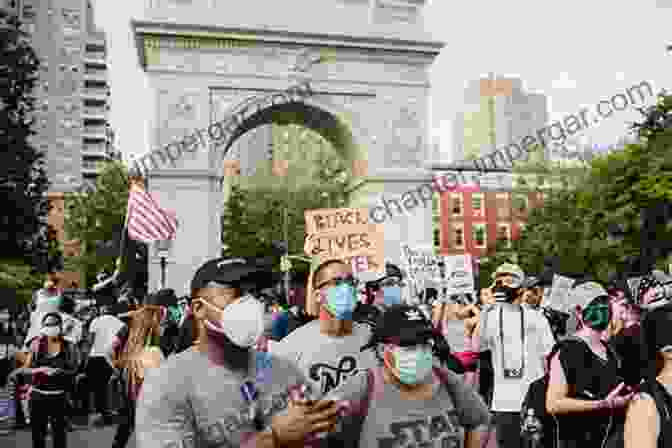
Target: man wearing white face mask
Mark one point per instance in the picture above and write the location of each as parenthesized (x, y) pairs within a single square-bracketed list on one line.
[(223, 391)]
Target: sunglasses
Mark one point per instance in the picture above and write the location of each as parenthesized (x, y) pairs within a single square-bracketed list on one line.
[(349, 280)]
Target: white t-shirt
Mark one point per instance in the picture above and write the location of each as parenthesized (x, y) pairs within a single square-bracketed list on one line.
[(105, 328), (509, 393), (326, 361)]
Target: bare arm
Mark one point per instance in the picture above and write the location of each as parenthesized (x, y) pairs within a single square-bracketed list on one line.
[(557, 395), (641, 424), (476, 438)]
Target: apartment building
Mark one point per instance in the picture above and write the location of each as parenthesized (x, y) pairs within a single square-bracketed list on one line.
[(72, 98), (72, 91), (496, 112)]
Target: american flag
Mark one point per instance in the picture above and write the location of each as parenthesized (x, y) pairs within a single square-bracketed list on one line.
[(145, 220)]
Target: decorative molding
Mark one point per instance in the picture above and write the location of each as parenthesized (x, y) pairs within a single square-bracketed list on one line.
[(237, 37)]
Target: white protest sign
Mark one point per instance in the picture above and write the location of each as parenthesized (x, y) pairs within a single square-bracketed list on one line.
[(459, 278), (559, 297)]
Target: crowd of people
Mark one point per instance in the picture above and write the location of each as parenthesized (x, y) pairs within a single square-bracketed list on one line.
[(376, 367)]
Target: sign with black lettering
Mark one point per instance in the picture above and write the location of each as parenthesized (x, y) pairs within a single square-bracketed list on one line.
[(345, 233)]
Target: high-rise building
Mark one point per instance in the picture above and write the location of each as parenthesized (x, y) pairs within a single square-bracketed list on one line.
[(497, 112), (72, 92)]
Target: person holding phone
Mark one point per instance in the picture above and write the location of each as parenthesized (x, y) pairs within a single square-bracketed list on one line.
[(52, 362), (586, 395), (226, 390)]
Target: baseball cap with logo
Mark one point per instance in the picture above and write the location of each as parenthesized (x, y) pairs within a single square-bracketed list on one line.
[(402, 325)]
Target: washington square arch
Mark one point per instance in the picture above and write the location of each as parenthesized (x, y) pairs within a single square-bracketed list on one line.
[(364, 65)]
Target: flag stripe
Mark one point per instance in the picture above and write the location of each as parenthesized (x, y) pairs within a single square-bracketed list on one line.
[(148, 203), (146, 220)]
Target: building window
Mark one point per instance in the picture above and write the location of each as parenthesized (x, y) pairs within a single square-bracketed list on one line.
[(479, 236), (521, 203), (456, 204), (477, 203), (504, 233), (503, 206), (458, 236)]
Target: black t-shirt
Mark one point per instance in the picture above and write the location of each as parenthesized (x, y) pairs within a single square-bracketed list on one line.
[(589, 378), (630, 348)]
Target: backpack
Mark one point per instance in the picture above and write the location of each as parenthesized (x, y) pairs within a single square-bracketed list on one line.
[(372, 383), (537, 426)]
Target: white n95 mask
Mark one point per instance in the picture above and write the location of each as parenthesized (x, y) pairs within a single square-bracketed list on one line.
[(242, 322)]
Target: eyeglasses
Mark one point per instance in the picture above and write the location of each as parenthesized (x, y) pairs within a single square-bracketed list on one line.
[(349, 280)]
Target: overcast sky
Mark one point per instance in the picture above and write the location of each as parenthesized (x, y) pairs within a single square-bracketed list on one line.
[(577, 52)]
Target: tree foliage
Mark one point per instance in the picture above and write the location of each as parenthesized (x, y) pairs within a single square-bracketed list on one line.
[(23, 180), (612, 190), (95, 218), (316, 177)]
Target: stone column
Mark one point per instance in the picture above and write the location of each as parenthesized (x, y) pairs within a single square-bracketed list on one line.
[(196, 196)]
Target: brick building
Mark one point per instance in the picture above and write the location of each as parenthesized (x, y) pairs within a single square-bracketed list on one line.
[(473, 222)]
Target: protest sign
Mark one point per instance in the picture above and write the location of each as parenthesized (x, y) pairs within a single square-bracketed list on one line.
[(459, 275), (422, 267), (559, 296), (347, 234)]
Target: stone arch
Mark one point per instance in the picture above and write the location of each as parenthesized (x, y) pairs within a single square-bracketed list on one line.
[(320, 115)]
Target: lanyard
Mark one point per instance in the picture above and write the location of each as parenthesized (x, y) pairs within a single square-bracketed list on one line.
[(513, 373)]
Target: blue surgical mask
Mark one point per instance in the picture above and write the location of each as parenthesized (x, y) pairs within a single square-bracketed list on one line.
[(392, 295), (414, 363), (340, 300)]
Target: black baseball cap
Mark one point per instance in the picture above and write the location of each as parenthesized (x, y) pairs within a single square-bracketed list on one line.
[(162, 297), (232, 272), (402, 325)]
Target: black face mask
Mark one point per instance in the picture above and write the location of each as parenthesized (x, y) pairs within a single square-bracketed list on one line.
[(504, 293)]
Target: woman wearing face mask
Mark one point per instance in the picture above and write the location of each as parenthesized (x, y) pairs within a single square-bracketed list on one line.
[(407, 399), (585, 394), (52, 362), (226, 390)]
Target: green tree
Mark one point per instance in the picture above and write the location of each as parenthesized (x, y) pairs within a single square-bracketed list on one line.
[(23, 180), (613, 190), (316, 177), (96, 217)]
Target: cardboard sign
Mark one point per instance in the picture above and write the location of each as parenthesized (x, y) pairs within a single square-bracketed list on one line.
[(459, 275), (346, 234), (559, 296)]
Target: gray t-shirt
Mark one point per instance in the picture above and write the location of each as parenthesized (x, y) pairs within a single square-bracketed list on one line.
[(392, 421), (190, 402), (326, 361)]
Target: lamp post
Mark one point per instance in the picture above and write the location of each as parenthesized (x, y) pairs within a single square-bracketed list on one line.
[(162, 250)]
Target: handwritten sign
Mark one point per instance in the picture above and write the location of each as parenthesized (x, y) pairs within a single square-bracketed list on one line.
[(559, 297), (345, 233)]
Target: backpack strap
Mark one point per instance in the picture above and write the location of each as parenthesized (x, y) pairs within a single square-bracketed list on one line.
[(370, 386)]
